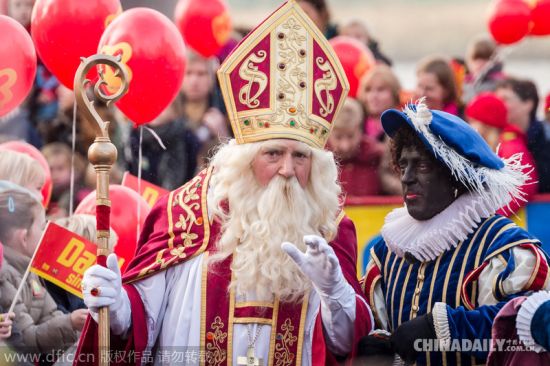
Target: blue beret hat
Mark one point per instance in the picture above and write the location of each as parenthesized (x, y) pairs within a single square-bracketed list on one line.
[(452, 131), (452, 141)]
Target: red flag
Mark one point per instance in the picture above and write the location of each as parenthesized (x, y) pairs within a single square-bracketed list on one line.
[(148, 191), (62, 257)]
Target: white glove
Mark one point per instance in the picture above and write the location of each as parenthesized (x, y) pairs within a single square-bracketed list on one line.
[(108, 283), (320, 265)]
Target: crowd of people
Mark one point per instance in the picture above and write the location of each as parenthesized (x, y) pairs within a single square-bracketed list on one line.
[(196, 121), (471, 260)]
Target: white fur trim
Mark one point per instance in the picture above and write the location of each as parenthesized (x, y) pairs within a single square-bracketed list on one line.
[(428, 239), (441, 325), (525, 317), (497, 187)]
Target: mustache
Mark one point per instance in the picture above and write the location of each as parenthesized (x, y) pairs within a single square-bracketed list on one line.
[(288, 188)]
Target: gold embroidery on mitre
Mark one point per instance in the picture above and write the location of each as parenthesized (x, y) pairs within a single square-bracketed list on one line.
[(249, 72), (283, 81), (327, 84)]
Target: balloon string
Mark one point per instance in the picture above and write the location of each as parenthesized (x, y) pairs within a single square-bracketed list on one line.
[(71, 192), (140, 161), (156, 136)]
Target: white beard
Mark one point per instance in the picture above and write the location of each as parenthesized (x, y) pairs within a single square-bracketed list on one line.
[(260, 222), (260, 219)]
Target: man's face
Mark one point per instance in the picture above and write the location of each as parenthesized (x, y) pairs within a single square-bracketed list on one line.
[(344, 142), (286, 158), (427, 183), (197, 81)]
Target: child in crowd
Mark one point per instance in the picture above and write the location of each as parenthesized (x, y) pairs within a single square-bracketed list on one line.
[(436, 81), (380, 90), (359, 155), (200, 110), (356, 28), (484, 69), (21, 169), (488, 115), (59, 156), (43, 328)]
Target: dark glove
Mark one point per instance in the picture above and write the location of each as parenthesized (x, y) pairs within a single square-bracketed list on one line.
[(376, 343), (406, 334)]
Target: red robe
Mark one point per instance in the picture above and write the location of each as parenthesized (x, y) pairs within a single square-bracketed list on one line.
[(178, 229)]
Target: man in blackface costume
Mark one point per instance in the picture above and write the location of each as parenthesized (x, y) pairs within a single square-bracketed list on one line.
[(446, 262), (252, 261)]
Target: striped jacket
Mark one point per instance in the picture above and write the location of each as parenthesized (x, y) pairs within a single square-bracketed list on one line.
[(412, 289)]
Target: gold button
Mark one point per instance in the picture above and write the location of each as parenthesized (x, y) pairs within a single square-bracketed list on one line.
[(415, 308), (421, 277), (417, 291)]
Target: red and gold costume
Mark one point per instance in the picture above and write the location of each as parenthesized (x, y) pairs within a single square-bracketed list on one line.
[(177, 230), (282, 81)]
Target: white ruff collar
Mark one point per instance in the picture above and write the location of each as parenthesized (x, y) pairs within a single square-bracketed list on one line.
[(426, 240)]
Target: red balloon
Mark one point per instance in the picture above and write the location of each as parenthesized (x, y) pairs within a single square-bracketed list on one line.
[(205, 25), (17, 64), (356, 59), (33, 152), (66, 30), (540, 18), (124, 217), (153, 52), (509, 21)]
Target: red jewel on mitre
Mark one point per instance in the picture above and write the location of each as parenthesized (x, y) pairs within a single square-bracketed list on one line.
[(283, 80)]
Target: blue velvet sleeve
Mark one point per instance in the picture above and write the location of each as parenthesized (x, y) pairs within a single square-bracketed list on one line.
[(540, 325), (473, 324)]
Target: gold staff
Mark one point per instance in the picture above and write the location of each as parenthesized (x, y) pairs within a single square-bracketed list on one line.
[(102, 154)]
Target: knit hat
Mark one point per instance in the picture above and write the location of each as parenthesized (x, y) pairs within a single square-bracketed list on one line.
[(488, 109)]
